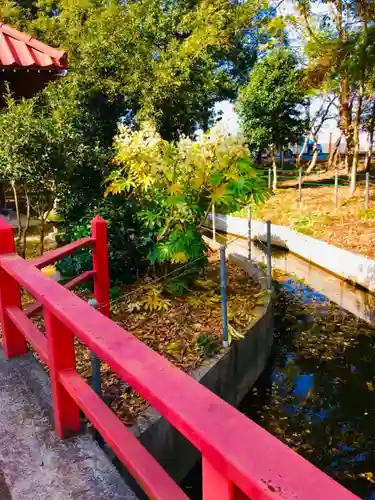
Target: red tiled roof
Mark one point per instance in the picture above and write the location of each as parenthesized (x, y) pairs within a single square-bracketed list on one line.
[(19, 50)]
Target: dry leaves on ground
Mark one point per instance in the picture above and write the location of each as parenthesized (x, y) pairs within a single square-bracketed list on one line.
[(186, 331)]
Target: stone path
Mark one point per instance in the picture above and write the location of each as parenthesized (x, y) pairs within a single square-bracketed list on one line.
[(34, 463)]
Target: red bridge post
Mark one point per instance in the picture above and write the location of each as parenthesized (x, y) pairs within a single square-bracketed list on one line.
[(13, 341), (61, 356), (216, 486), (100, 264)]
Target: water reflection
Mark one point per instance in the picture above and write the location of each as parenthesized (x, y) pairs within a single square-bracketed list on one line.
[(353, 299), (318, 395)]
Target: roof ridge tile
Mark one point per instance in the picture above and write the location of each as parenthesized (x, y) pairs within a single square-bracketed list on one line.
[(58, 57)]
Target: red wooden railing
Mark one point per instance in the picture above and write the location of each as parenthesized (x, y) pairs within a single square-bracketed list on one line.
[(240, 459)]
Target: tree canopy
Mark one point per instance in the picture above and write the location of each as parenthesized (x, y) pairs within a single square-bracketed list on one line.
[(340, 57), (165, 61), (271, 105)]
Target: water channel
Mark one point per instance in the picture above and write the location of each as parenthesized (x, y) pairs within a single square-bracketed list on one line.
[(318, 393)]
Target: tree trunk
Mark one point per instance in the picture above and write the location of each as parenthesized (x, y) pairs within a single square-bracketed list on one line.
[(370, 139), (336, 158), (349, 154), (332, 154), (18, 215), (299, 156), (353, 175), (27, 225), (315, 155), (42, 232), (345, 101), (356, 143), (2, 196), (44, 217), (274, 168), (369, 151), (330, 145)]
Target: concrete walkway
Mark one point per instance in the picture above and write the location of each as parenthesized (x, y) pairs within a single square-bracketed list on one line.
[(34, 463)]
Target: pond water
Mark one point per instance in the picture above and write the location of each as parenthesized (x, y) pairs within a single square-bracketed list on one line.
[(318, 393)]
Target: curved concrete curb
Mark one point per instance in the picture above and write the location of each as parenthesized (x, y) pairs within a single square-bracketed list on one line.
[(229, 375), (344, 264)]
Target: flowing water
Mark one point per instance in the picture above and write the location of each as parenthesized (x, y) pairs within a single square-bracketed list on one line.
[(318, 393)]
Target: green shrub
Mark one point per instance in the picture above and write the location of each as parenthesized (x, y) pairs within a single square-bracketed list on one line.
[(125, 246), (175, 185)]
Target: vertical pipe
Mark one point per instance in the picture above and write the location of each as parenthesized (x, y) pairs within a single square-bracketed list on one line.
[(95, 363), (96, 382), (336, 189), (249, 231), (100, 264), (269, 178), (367, 193), (213, 222), (224, 299), (300, 185), (269, 252)]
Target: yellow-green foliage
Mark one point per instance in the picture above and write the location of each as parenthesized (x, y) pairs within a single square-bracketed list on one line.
[(175, 185)]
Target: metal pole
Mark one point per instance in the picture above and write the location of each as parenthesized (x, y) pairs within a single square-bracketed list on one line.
[(269, 178), (224, 301), (95, 363), (213, 212), (249, 231), (96, 383), (336, 189), (300, 185), (269, 251), (367, 193)]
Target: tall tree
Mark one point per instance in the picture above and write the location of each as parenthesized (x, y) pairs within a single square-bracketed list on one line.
[(271, 105), (340, 50), (169, 61)]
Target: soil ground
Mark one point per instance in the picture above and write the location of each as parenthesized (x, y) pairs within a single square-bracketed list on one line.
[(186, 330), (348, 226)]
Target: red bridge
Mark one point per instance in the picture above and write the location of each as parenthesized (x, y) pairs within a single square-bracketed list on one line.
[(240, 459)]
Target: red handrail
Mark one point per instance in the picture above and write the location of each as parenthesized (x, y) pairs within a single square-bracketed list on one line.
[(82, 278), (54, 255), (240, 459)]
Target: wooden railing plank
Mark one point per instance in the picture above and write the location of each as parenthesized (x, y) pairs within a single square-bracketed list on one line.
[(37, 306), (30, 331), (54, 255)]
